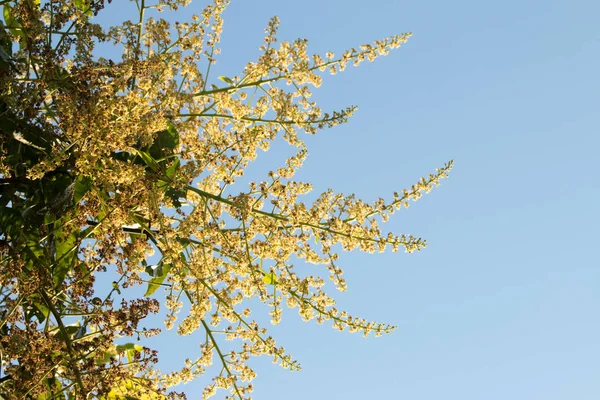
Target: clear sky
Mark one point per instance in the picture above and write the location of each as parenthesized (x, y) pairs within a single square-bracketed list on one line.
[(503, 304)]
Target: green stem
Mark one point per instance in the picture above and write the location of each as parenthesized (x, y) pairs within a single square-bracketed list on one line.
[(260, 81), (284, 218), (268, 121), (67, 339), (223, 361), (139, 37)]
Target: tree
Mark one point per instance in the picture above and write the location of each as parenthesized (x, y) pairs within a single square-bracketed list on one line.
[(106, 162)]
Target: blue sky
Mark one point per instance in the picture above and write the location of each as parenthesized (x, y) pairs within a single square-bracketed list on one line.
[(504, 301)]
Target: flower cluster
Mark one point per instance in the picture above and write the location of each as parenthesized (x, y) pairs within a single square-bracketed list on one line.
[(128, 168)]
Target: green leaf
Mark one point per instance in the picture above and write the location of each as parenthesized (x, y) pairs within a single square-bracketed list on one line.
[(158, 276), (36, 251), (65, 241), (175, 195), (166, 139), (129, 349), (83, 6), (82, 330), (14, 159), (55, 390), (105, 357), (149, 160), (44, 311), (226, 80), (173, 133), (270, 279), (31, 212), (162, 184), (39, 310), (137, 235), (82, 185), (5, 57), (5, 45), (71, 331), (11, 222), (59, 191), (172, 170), (150, 270), (12, 24)]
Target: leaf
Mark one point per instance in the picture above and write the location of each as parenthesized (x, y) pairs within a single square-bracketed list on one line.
[(129, 349), (82, 185), (122, 391), (11, 23), (149, 160), (226, 80), (129, 346), (164, 184), (70, 330), (166, 139), (79, 334), (31, 211), (5, 56), (173, 169), (106, 356), (270, 279), (40, 311), (175, 195), (14, 26), (60, 192), (5, 45), (36, 251), (55, 390), (65, 241), (83, 6), (44, 396), (174, 134), (159, 274), (11, 222), (137, 235), (20, 138)]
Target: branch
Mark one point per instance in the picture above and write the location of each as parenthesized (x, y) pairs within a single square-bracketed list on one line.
[(223, 361), (66, 335)]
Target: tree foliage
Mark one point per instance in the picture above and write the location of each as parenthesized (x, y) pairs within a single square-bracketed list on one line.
[(127, 167)]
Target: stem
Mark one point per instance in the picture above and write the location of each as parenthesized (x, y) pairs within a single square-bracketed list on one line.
[(5, 319), (268, 121), (284, 218), (139, 37), (66, 336), (223, 361), (262, 81)]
